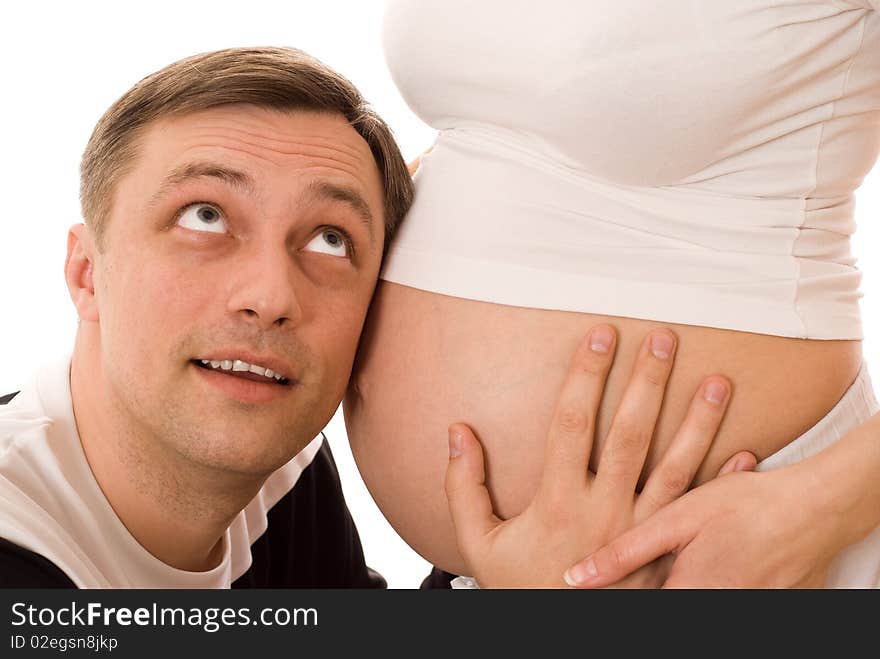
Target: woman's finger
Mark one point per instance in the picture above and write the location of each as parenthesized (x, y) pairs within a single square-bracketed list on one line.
[(678, 465), (413, 166), (742, 461), (466, 493), (626, 446), (570, 439), (660, 534), (416, 162)]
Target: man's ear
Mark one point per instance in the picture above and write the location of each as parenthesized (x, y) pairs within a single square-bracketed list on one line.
[(79, 271)]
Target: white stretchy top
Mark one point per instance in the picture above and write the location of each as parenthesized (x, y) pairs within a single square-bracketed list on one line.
[(689, 161)]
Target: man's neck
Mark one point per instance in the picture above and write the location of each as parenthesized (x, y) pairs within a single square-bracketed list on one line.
[(177, 510)]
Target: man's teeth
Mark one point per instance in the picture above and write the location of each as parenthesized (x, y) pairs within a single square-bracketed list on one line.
[(239, 365)]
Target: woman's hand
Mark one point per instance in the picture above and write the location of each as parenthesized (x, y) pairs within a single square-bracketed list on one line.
[(749, 530), (413, 166), (574, 511)]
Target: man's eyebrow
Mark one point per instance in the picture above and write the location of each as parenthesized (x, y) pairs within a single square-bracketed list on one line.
[(195, 170), (324, 190)]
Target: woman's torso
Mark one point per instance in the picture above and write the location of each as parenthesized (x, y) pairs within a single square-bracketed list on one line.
[(428, 360), (685, 172)]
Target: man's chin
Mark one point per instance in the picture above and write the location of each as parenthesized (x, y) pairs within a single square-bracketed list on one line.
[(239, 447), (213, 431)]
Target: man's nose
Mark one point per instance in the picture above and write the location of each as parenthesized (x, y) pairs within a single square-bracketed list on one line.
[(265, 289)]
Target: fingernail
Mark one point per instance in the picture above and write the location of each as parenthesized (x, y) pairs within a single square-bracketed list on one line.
[(580, 573), (743, 463), (661, 345), (454, 443), (715, 392), (600, 339)]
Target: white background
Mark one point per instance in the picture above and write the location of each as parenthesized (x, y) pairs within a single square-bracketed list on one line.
[(63, 64)]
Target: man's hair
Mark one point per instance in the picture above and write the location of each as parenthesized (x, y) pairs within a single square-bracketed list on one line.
[(284, 79)]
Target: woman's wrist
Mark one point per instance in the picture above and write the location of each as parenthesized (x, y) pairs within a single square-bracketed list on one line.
[(841, 484)]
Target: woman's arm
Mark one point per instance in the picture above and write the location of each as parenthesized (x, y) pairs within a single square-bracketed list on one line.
[(779, 528)]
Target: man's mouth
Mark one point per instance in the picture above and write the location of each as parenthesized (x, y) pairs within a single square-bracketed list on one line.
[(242, 369)]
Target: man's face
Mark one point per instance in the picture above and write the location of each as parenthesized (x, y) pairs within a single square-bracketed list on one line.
[(247, 238)]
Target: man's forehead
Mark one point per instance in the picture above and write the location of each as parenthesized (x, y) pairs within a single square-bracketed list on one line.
[(264, 133), (255, 142)]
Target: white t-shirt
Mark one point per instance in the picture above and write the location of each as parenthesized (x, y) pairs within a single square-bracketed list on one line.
[(51, 505)]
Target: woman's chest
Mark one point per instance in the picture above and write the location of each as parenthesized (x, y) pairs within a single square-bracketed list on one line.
[(599, 78)]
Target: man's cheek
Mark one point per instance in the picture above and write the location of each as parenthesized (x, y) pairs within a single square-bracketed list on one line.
[(339, 348), (179, 295)]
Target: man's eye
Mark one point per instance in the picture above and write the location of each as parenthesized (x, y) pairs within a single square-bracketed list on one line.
[(329, 241), (203, 217)]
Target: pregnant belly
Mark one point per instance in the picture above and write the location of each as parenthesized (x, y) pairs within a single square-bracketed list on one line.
[(427, 360)]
